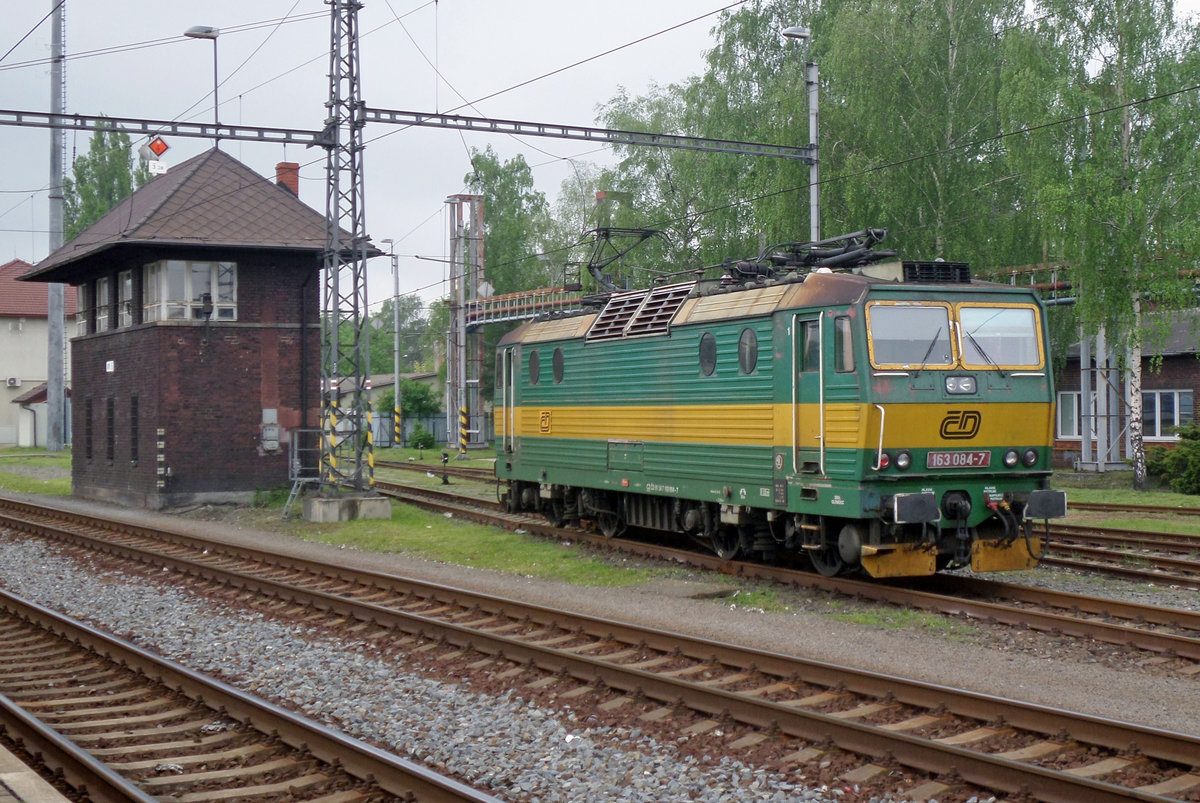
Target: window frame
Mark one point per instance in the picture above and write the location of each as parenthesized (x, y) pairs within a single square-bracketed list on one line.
[(166, 278), (1159, 425)]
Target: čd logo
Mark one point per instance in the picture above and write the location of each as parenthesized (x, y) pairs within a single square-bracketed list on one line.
[(961, 424)]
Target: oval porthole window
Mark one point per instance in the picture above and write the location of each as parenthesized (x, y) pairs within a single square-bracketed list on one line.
[(748, 351), (535, 367), (557, 364), (708, 353)]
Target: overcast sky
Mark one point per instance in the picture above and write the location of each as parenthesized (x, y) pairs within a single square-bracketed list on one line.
[(275, 76)]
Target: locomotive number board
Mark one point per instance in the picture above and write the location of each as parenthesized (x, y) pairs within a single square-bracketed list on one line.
[(979, 459)]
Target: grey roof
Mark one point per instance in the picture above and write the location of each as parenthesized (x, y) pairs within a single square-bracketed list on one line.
[(210, 200), (1181, 337)]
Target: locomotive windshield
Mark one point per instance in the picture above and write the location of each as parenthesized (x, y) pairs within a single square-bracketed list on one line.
[(910, 335), (999, 336), (920, 336)]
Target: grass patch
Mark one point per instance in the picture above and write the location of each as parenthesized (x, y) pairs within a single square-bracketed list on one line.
[(35, 471), (907, 619), (19, 483), (432, 536)]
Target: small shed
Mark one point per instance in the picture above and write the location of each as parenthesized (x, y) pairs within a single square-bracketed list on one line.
[(196, 348)]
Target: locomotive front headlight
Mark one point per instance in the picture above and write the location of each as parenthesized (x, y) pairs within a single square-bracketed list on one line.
[(1011, 458), (903, 460), (1029, 457), (959, 385)]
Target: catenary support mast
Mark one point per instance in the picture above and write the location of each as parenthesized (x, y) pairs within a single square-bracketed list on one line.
[(346, 452)]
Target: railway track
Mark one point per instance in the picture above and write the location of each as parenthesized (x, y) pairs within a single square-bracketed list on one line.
[(1108, 507), (791, 710), (1166, 631), (449, 469), (121, 724)]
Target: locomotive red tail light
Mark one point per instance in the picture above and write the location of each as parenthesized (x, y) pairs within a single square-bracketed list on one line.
[(885, 460)]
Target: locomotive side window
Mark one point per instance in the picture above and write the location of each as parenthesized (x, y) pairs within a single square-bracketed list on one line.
[(557, 364), (810, 359), (843, 346), (910, 335), (708, 353), (535, 367), (995, 336), (748, 351)]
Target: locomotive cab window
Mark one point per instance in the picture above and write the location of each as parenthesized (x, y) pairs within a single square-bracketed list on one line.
[(708, 353), (909, 335), (748, 351), (843, 346), (995, 336), (810, 357), (557, 364), (535, 367)]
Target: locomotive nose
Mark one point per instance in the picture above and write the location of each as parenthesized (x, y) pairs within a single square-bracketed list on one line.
[(956, 505)]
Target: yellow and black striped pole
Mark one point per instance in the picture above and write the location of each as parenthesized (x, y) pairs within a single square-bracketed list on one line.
[(397, 425), (462, 431)]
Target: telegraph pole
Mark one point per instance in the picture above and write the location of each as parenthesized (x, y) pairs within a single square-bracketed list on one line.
[(55, 381)]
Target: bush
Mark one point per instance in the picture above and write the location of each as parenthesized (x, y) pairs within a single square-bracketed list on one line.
[(420, 438), (1179, 467)]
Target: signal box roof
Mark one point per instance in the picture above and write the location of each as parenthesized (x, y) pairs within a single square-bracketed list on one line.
[(212, 201)]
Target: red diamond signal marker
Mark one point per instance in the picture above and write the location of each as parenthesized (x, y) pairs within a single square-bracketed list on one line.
[(158, 146)]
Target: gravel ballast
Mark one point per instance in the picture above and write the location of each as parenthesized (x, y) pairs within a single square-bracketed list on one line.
[(499, 743)]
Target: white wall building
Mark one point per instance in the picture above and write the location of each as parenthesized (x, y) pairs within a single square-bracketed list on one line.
[(24, 335)]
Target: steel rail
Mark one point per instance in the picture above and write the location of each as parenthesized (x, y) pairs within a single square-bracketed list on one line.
[(1178, 543), (1111, 507), (987, 770), (896, 592), (80, 770), (392, 773)]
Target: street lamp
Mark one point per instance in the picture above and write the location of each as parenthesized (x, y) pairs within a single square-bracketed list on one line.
[(814, 173), (209, 32), (397, 421)]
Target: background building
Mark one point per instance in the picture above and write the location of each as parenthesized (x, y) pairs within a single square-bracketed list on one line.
[(23, 357)]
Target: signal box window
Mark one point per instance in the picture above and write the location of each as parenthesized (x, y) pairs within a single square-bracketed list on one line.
[(102, 301), (174, 290), (125, 297)]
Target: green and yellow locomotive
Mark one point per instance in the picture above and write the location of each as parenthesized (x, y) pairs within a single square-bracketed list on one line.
[(894, 417)]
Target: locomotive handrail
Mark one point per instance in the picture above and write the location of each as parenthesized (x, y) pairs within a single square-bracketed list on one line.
[(821, 391), (879, 453)]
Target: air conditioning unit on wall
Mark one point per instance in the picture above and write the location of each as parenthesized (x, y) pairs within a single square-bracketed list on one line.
[(13, 381)]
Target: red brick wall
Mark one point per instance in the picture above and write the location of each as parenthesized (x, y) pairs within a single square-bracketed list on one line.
[(206, 388)]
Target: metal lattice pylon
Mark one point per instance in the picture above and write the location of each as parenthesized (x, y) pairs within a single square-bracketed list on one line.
[(464, 408), (346, 449)]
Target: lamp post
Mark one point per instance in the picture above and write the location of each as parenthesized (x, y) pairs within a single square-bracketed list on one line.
[(397, 421), (814, 173), (209, 32)]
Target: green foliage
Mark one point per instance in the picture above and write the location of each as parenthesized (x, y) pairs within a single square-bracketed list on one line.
[(420, 438), (1179, 467), (418, 400), (100, 180)]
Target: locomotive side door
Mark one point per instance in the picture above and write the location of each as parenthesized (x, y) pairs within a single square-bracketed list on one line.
[(808, 394), (507, 362)]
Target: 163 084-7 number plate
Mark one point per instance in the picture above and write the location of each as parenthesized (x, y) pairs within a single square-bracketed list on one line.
[(976, 459)]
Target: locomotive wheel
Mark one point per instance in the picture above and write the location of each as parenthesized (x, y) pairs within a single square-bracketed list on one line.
[(553, 512), (610, 524), (726, 543), (827, 561)]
